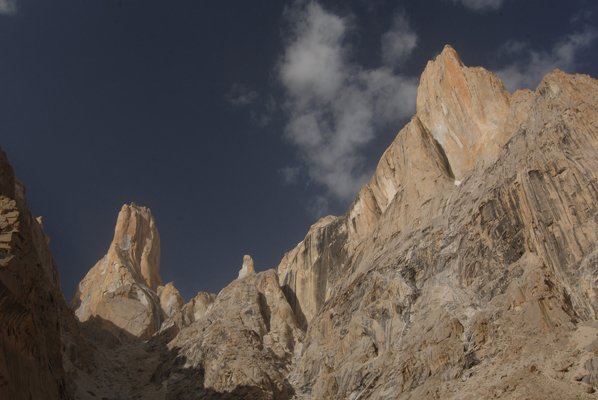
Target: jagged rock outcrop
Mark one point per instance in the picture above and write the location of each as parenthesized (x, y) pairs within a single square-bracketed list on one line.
[(242, 345), (32, 309), (247, 268), (121, 287), (197, 307), (171, 300)]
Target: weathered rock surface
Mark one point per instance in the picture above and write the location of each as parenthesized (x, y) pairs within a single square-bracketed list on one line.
[(31, 304), (411, 171), (197, 307), (465, 109), (242, 344), (121, 287), (171, 300)]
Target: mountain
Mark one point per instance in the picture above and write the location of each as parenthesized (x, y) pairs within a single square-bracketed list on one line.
[(466, 268)]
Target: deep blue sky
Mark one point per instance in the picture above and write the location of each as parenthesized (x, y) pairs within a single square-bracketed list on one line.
[(181, 106)]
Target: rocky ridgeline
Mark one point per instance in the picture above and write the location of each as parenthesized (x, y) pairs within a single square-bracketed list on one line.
[(466, 268)]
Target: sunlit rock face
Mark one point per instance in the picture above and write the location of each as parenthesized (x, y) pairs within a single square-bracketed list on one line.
[(121, 287), (481, 289), (197, 307), (247, 268), (465, 110), (171, 300)]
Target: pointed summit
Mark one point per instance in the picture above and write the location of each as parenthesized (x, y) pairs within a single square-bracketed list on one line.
[(137, 243), (449, 55), (247, 268), (121, 288), (464, 108)]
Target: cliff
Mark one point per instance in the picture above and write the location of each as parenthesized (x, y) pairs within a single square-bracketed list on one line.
[(32, 309)]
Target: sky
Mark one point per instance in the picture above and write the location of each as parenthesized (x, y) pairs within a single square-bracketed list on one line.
[(237, 123)]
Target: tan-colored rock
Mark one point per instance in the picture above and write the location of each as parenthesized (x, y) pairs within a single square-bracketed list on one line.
[(120, 289), (197, 307), (243, 343), (303, 271), (247, 268), (472, 291), (412, 171), (465, 109), (137, 243), (171, 300)]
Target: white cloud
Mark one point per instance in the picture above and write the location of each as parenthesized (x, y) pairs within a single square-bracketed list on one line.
[(480, 5), (532, 65), (398, 42), (313, 64), (333, 104), (8, 7)]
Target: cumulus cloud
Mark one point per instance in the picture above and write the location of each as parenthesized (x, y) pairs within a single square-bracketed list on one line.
[(398, 42), (333, 104), (8, 7), (480, 5), (532, 65)]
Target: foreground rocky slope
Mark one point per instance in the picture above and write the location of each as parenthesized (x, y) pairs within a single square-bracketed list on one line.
[(466, 268)]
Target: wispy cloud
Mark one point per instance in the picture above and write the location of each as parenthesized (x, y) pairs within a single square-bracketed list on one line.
[(262, 108), (333, 104), (290, 175), (480, 5), (399, 42), (318, 206), (8, 7), (531, 65), (240, 95)]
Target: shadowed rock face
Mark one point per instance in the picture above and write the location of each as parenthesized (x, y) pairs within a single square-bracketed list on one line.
[(466, 268), (31, 304)]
